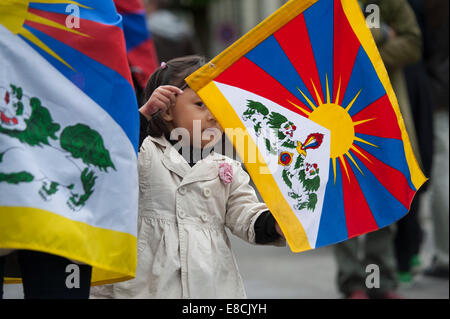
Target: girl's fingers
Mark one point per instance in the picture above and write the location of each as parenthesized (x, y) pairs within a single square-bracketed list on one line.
[(167, 94), (172, 89), (161, 99), (154, 104), (164, 101)]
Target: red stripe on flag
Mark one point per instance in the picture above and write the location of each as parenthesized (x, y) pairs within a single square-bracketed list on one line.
[(384, 123), (104, 44), (393, 180), (246, 75), (143, 57), (358, 216), (294, 40), (346, 46), (129, 6)]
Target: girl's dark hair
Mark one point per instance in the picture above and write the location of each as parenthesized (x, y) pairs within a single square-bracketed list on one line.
[(174, 73)]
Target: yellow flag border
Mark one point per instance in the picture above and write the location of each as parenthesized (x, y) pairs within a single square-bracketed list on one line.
[(108, 252)]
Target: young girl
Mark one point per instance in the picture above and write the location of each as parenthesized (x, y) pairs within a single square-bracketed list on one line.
[(184, 205)]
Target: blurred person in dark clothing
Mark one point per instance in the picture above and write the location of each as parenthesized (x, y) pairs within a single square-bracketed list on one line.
[(399, 42), (409, 235), (436, 59)]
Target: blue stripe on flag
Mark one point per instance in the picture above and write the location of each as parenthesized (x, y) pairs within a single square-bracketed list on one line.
[(135, 30), (364, 79), (105, 86), (389, 151), (270, 57), (102, 11), (332, 228), (319, 20), (385, 208)]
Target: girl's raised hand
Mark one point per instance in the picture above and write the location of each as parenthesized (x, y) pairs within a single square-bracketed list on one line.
[(161, 99)]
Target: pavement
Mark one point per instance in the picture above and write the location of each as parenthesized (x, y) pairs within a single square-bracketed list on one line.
[(277, 273)]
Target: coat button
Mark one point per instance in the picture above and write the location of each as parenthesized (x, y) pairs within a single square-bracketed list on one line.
[(182, 190), (204, 217), (181, 214), (206, 192)]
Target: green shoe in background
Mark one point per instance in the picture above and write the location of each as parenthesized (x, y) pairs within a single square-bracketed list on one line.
[(415, 261), (416, 264), (404, 277)]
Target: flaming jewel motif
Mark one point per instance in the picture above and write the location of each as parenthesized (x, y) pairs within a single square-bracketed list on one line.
[(313, 141)]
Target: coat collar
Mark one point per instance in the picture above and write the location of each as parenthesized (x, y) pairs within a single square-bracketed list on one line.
[(205, 169)]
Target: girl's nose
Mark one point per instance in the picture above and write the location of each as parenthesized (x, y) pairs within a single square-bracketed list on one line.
[(209, 116)]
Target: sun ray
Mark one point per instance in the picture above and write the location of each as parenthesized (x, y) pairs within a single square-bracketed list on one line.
[(32, 38), (307, 113), (352, 159), (352, 102), (313, 106), (35, 18), (319, 100), (365, 142), (363, 121), (336, 101), (342, 160), (328, 90), (337, 119), (333, 160), (353, 148), (15, 22)]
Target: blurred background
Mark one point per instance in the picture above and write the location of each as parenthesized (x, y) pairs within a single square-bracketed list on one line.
[(207, 26)]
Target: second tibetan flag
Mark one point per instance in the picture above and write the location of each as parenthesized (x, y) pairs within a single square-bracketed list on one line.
[(141, 50)]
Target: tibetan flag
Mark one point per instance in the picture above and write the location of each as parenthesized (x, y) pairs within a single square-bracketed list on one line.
[(140, 46), (69, 134), (307, 102)]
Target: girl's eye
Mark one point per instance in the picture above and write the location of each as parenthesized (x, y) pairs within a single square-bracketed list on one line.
[(200, 104)]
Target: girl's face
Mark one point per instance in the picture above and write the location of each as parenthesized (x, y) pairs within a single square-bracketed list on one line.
[(191, 114)]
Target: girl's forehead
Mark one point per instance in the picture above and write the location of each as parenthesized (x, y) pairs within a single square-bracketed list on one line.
[(187, 89), (189, 93)]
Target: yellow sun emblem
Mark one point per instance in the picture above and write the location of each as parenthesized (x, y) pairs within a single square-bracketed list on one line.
[(338, 121), (13, 14)]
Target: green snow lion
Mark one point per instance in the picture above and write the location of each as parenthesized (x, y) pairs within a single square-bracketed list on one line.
[(29, 131)]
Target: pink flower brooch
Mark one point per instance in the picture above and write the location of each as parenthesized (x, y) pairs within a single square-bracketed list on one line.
[(226, 173)]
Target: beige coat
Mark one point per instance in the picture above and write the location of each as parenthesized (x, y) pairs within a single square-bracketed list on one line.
[(183, 249)]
